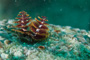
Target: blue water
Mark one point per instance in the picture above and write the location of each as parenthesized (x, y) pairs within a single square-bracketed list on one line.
[(75, 13)]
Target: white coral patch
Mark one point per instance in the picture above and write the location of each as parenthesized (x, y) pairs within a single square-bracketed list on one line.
[(18, 54), (2, 23), (10, 21), (1, 50), (88, 35), (4, 56), (1, 38), (1, 32)]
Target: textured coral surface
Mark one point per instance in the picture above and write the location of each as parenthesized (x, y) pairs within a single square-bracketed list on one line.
[(63, 43)]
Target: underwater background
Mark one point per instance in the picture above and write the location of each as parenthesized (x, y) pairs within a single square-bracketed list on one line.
[(75, 13), (66, 35)]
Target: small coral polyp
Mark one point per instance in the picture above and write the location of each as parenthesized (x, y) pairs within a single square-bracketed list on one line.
[(37, 28)]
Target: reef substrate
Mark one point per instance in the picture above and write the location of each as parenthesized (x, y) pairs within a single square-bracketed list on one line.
[(63, 43)]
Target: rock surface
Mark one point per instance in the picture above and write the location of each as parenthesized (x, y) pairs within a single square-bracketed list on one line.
[(63, 43)]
